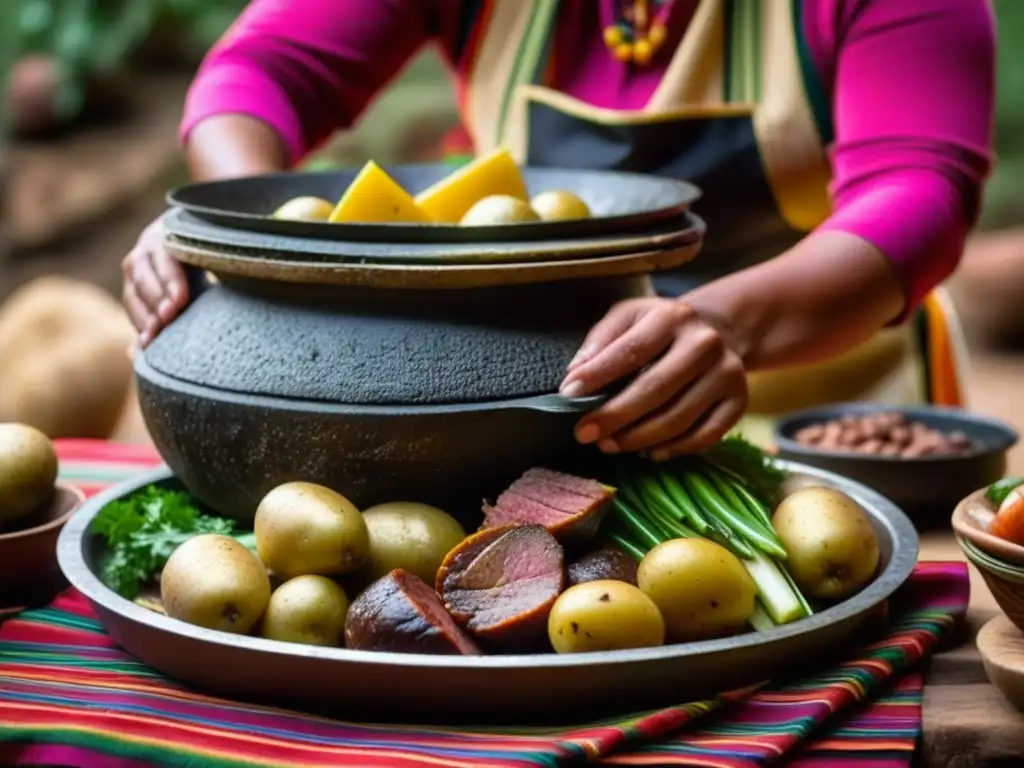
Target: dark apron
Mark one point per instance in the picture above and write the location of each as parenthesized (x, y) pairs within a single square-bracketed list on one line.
[(739, 113)]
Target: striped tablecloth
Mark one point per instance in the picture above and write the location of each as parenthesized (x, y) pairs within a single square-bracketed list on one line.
[(70, 697)]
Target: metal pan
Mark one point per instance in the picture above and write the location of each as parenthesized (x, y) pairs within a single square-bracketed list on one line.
[(682, 231), (621, 203), (525, 688)]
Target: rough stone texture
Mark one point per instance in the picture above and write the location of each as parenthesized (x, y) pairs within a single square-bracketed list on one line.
[(230, 450), (383, 347)]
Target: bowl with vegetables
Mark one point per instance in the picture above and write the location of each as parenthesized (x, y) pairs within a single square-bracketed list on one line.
[(34, 506), (924, 458), (1005, 580), (575, 591), (992, 519)]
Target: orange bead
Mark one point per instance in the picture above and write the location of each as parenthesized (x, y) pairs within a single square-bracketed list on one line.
[(657, 34), (612, 36), (643, 52), (624, 52), (639, 14)]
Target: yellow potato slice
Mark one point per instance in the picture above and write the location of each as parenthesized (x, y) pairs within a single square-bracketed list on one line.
[(374, 197), (448, 200)]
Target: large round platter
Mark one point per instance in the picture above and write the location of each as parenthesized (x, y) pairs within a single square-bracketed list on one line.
[(525, 688), (620, 202)]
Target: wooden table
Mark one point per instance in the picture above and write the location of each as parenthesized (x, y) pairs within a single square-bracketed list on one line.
[(967, 722)]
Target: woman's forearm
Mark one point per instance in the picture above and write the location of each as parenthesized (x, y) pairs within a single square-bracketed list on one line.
[(229, 146), (825, 296)]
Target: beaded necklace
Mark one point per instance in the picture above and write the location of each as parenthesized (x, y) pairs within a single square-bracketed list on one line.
[(637, 30)]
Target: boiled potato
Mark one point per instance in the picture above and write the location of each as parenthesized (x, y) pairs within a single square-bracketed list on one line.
[(411, 536), (307, 609), (304, 209), (833, 550), (213, 581), (559, 205), (498, 209), (604, 616), (28, 471), (306, 529), (700, 587)]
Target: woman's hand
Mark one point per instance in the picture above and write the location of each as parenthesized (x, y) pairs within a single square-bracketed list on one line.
[(155, 285), (690, 390)]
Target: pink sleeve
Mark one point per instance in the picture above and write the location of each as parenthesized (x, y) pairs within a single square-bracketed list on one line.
[(307, 67), (913, 101)]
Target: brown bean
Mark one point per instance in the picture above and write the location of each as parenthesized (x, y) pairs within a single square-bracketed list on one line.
[(915, 450), (852, 436), (889, 449), (833, 431), (870, 446), (901, 436), (810, 435)]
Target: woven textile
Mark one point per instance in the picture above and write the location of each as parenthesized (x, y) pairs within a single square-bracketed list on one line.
[(69, 697)]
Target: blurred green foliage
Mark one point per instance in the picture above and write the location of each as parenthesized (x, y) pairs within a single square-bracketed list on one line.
[(94, 37), (1004, 203)]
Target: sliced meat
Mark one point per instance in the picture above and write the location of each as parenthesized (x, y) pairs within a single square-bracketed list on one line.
[(401, 614), (571, 508), (581, 486), (500, 585), (606, 562)]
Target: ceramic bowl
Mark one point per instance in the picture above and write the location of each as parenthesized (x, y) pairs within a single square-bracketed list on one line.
[(29, 572), (926, 488), (971, 519), (1005, 580)]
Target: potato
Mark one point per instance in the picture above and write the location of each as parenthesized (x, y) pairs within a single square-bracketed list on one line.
[(559, 205), (411, 536), (604, 616), (700, 587), (304, 209), (498, 209), (833, 550), (305, 529)]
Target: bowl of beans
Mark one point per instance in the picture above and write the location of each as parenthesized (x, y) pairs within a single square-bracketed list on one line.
[(924, 458)]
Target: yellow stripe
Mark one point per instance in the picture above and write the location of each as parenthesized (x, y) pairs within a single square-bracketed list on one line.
[(795, 163), (493, 69), (942, 363)]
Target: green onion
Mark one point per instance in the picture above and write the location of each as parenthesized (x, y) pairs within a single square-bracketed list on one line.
[(705, 495)]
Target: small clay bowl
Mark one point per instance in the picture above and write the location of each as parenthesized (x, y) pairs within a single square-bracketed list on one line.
[(29, 573), (1001, 646), (970, 521), (1005, 580), (926, 488)]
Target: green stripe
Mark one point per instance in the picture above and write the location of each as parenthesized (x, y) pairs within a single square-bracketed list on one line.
[(101, 473), (821, 109), (529, 56), (742, 77)]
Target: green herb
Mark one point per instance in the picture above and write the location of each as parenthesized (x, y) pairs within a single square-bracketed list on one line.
[(143, 530), (744, 460), (999, 490)]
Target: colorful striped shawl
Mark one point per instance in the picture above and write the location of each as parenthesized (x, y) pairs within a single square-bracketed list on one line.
[(69, 697)]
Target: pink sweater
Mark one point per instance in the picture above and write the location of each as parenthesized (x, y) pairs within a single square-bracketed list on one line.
[(911, 84)]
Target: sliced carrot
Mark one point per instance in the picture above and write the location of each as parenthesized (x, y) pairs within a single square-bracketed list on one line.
[(1009, 523)]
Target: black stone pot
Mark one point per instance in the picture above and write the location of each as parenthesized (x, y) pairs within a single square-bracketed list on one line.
[(439, 396), (230, 449)]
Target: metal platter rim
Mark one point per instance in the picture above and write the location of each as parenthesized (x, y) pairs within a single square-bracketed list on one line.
[(179, 224), (899, 568), (431, 276)]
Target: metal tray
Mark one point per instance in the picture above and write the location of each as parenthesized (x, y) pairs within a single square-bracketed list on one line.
[(620, 202), (525, 688), (683, 230)]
